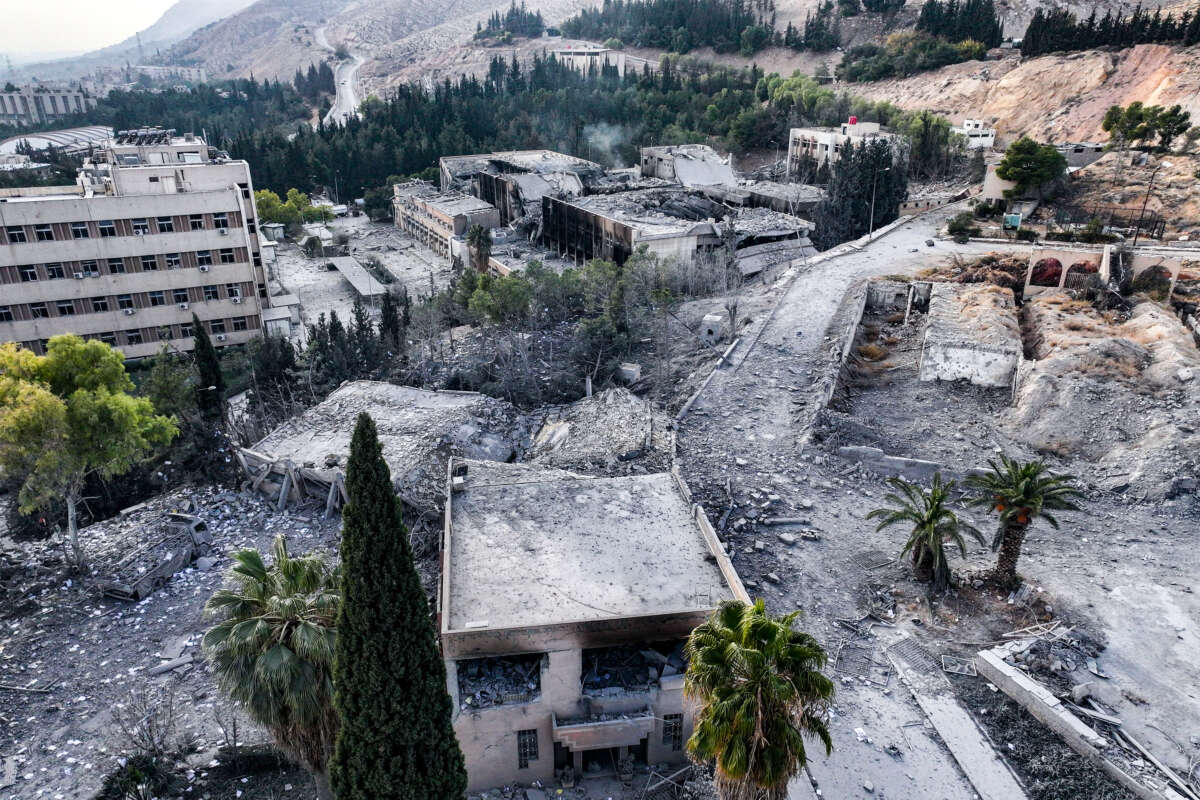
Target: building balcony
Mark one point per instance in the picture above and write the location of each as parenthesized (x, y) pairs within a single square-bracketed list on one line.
[(603, 731)]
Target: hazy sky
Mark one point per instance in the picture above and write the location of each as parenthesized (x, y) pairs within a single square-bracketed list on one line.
[(73, 25)]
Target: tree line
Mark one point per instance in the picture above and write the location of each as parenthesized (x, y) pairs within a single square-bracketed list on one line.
[(677, 25), (517, 21), (318, 80), (974, 20), (1058, 30)]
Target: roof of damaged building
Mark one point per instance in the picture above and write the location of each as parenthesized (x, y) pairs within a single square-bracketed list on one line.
[(614, 431), (979, 315), (530, 546), (418, 430), (540, 161), (800, 193)]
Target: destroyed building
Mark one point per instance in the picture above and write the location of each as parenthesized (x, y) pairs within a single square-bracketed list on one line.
[(672, 223), (440, 220), (563, 605), (690, 165), (972, 334), (612, 432), (515, 182)]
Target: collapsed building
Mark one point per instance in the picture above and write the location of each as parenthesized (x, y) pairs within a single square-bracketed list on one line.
[(564, 603), (672, 223), (690, 165)]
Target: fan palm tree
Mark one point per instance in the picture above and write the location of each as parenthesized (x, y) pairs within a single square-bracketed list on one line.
[(759, 691), (479, 241), (272, 650), (933, 526), (1019, 493)]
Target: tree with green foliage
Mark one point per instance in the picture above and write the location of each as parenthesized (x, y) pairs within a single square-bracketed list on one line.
[(272, 650), (867, 184), (1031, 166), (1019, 493), (479, 242), (377, 203), (759, 692), (1171, 123), (396, 739), (68, 415), (932, 526), (391, 330), (210, 387)]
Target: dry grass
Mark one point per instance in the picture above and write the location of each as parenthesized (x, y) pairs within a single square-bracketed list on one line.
[(894, 319), (891, 341), (872, 352)]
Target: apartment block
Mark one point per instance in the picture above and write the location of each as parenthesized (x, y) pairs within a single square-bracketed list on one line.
[(565, 601), (158, 227), (825, 145), (37, 104)]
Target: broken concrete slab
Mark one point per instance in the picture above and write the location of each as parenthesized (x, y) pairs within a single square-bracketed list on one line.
[(972, 334)]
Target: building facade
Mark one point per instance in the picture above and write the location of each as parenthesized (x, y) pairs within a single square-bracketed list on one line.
[(35, 104), (159, 228), (978, 135), (171, 73), (439, 219), (825, 145)]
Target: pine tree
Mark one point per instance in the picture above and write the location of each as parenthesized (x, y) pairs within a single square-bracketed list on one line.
[(210, 389), (396, 739)]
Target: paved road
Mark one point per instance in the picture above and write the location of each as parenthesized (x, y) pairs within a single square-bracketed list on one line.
[(345, 104)]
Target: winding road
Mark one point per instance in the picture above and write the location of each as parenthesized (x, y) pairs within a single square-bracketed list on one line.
[(345, 104)]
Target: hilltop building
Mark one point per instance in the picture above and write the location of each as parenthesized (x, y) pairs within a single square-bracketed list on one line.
[(37, 104), (978, 135), (586, 59), (157, 227)]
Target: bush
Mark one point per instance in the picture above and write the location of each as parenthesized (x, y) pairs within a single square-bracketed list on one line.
[(139, 777), (614, 44), (1027, 235), (962, 225)]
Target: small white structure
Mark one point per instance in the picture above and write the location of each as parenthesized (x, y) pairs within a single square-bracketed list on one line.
[(972, 335), (629, 372), (978, 135), (712, 329)]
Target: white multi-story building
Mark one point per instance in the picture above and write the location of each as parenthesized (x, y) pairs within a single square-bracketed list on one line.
[(37, 104), (825, 145), (156, 229), (171, 73), (977, 134)]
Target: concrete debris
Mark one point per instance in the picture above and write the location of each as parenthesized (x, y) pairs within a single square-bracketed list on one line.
[(611, 433), (484, 682), (614, 670)]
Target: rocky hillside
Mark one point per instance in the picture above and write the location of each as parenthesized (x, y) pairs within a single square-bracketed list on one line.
[(1052, 98)]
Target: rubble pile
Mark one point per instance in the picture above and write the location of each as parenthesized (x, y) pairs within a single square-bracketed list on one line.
[(611, 433), (613, 670), (484, 682), (1001, 269)]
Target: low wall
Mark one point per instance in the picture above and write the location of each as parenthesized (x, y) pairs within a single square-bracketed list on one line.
[(913, 469)]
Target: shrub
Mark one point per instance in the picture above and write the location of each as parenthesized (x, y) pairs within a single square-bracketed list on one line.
[(872, 352), (961, 225), (1027, 235)]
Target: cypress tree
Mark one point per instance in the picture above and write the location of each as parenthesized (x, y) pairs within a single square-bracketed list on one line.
[(395, 739), (210, 390)]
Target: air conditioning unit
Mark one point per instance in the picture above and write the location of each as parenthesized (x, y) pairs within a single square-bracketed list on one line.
[(183, 306), (129, 312), (78, 276), (139, 233), (220, 337), (204, 268), (223, 231), (93, 274), (235, 299)]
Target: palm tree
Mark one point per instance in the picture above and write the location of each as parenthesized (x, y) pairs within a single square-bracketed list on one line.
[(479, 241), (272, 650), (933, 526), (1019, 493), (759, 691)]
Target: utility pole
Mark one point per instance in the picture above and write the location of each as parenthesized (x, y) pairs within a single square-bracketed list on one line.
[(1149, 188), (874, 184)]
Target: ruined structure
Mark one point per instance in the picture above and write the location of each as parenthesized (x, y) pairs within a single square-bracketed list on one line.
[(690, 165), (515, 182), (972, 334), (563, 605), (439, 220)]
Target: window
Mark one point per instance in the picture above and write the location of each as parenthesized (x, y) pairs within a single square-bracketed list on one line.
[(173, 261), (109, 339), (217, 326), (196, 222), (233, 289), (239, 323), (44, 233), (221, 220), (79, 230), (89, 267), (153, 179), (133, 337), (185, 330), (124, 301), (16, 234), (149, 263), (54, 272), (39, 310), (179, 295), (245, 190), (165, 225), (6, 314), (66, 308), (257, 260), (673, 731), (28, 273), (141, 227), (527, 748), (251, 227), (158, 298), (204, 258), (107, 228), (211, 292), (227, 255), (99, 304), (116, 265)]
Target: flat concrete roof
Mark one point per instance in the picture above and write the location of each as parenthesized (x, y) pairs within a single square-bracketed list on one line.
[(531, 546), (979, 315), (455, 203), (363, 282)]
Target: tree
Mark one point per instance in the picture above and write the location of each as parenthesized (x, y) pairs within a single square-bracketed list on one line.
[(272, 650), (1019, 494), (1031, 166), (1172, 123), (68, 415), (933, 526), (396, 739), (759, 691), (479, 241), (210, 390), (377, 202)]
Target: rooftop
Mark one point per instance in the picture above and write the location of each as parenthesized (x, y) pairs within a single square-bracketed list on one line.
[(519, 161), (979, 315), (72, 138), (531, 546), (455, 203), (366, 284)]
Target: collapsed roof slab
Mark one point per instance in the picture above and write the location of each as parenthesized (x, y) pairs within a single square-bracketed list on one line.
[(972, 334)]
